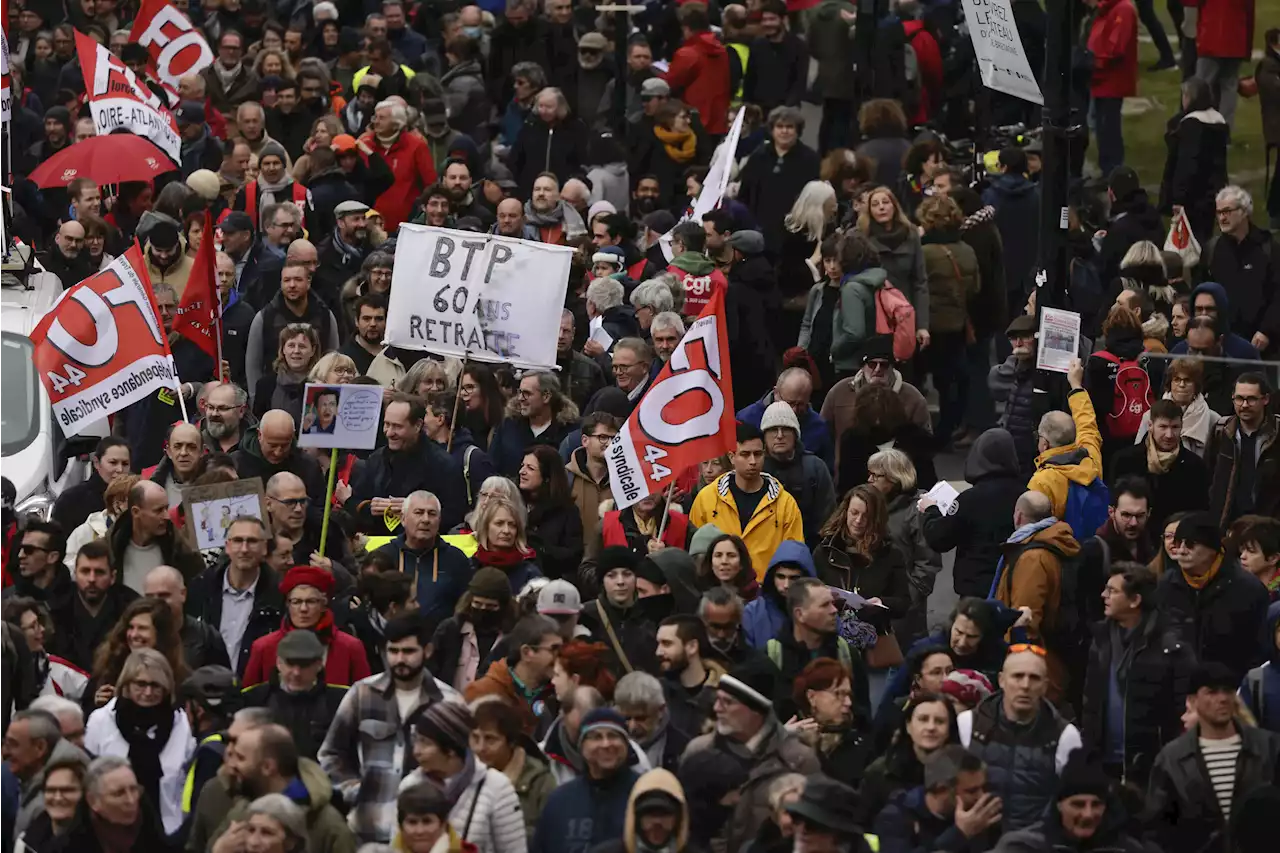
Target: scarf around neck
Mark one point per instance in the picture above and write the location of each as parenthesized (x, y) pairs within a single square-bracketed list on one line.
[(1159, 461), (890, 237), (147, 732), (227, 76), (1203, 581), (554, 216), (503, 558), (680, 147)]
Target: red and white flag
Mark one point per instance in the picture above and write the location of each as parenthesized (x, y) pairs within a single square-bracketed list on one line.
[(684, 417), (117, 98), (102, 347), (197, 318), (6, 92), (176, 47)]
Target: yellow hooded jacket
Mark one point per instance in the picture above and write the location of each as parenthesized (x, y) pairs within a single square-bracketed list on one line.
[(777, 518), (1079, 462), (656, 780)]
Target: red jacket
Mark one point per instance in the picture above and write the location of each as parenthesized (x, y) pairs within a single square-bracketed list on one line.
[(346, 663), (699, 76), (411, 163), (1224, 29), (217, 121), (675, 536), (1113, 40), (929, 61), (698, 288)]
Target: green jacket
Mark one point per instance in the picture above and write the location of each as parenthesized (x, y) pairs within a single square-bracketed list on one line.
[(533, 786), (855, 317), (327, 830), (952, 269), (694, 263), (831, 43)]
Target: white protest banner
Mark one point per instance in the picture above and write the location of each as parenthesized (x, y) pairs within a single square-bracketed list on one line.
[(715, 183), (176, 47), (102, 347), (482, 296), (344, 416), (998, 46), (6, 93), (118, 99)]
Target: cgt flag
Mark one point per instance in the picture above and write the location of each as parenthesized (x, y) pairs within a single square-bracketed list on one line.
[(197, 318), (686, 416), (102, 348)]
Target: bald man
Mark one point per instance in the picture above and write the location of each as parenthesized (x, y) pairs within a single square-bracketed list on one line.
[(511, 221), (270, 449), (144, 538), (67, 258), (795, 388), (1022, 738), (202, 645), (181, 463), (289, 508), (1069, 446)]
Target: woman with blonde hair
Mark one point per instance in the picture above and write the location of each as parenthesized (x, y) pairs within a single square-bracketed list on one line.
[(297, 354), (323, 130), (894, 476), (428, 376), (334, 368), (115, 500), (951, 268), (272, 62), (891, 234), (501, 531), (147, 623), (144, 723)]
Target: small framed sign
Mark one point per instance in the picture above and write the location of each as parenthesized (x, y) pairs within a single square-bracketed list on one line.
[(209, 510)]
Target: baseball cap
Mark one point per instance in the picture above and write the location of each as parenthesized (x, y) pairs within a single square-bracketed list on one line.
[(236, 220), (342, 143), (559, 598), (189, 112)]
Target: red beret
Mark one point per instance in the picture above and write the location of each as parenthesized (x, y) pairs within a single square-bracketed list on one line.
[(308, 575)]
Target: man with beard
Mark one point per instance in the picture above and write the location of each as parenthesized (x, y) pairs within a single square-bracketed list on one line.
[(366, 763), (228, 80), (408, 463), (542, 415), (183, 450), (440, 570), (458, 183), (585, 81), (437, 207), (67, 258), (720, 610), (88, 616), (110, 460), (269, 449), (225, 407), (295, 303), (689, 680), (57, 134), (371, 325), (40, 559), (639, 71), (618, 614), (556, 221), (510, 221), (522, 680), (266, 760), (167, 260), (297, 695), (342, 251), (1012, 385)]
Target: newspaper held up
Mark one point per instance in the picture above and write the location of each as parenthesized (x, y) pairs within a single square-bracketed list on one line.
[(1059, 343)]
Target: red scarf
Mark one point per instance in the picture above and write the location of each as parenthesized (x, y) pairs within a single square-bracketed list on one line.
[(505, 559), (323, 628)]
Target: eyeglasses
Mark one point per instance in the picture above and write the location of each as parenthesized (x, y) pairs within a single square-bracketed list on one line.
[(603, 436), (51, 791), (219, 410), (292, 503), (153, 686), (554, 650), (1027, 647), (623, 368), (346, 371), (468, 388), (1239, 399), (27, 550), (243, 541), (305, 603), (1223, 211)]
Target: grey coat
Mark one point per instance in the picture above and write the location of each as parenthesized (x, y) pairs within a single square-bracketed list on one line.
[(905, 265)]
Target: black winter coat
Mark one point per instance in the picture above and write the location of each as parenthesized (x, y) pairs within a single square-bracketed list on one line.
[(752, 298), (329, 189), (777, 73), (1225, 622), (306, 715), (1132, 219), (204, 602), (769, 188), (1195, 167), (555, 535), (636, 630), (74, 506), (1250, 271), (202, 645), (1222, 453), (856, 447), (884, 576), (1154, 689), (983, 519), (1183, 489), (986, 310), (389, 473), (542, 148)]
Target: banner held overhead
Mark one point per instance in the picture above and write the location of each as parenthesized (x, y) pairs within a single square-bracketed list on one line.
[(117, 99), (480, 296)]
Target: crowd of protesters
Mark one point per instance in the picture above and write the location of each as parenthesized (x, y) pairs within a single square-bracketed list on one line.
[(484, 653)]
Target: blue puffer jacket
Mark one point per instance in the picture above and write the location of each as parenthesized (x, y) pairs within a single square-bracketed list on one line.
[(814, 432), (1265, 692), (766, 616)]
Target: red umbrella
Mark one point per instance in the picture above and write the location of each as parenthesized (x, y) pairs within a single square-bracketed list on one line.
[(110, 159)]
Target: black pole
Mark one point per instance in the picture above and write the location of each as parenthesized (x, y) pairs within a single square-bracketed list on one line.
[(1061, 134), (621, 32)]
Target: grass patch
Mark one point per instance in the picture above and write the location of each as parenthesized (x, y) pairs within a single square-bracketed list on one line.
[(1144, 133)]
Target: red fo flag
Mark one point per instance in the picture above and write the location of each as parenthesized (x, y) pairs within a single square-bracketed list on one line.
[(102, 347), (197, 318), (684, 417), (175, 46)]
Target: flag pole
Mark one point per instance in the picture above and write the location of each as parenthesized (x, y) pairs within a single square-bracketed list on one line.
[(182, 401), (328, 498), (666, 510)]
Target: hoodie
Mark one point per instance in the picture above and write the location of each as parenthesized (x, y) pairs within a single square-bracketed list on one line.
[(32, 796), (660, 781), (699, 76), (765, 618), (1233, 346), (1260, 689), (700, 279), (1017, 204)]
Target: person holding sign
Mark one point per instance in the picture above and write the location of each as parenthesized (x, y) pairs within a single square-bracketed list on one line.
[(409, 463)]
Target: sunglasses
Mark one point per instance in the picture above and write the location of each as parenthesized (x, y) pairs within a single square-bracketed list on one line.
[(1027, 647)]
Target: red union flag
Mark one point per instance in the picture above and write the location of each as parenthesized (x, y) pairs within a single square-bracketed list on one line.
[(102, 348), (197, 318), (684, 417), (176, 47), (119, 99)]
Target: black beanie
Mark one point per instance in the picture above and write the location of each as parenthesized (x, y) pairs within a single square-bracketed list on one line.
[(1082, 775)]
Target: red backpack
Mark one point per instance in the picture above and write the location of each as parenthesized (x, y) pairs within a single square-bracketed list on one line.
[(1132, 396), (895, 316)]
